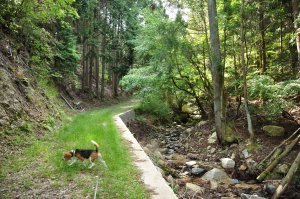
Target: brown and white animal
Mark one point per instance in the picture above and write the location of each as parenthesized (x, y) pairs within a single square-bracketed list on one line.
[(85, 154)]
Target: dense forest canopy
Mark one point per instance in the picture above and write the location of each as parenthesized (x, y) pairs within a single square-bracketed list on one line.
[(165, 51)]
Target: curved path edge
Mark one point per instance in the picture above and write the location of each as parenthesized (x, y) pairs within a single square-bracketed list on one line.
[(151, 177)]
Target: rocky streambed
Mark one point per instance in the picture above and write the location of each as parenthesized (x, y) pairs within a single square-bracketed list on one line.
[(196, 167)]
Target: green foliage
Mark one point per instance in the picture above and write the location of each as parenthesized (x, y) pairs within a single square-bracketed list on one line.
[(154, 104), (67, 57), (274, 97)]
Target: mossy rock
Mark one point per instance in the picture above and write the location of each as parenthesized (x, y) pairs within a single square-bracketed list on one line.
[(273, 131), (230, 136)]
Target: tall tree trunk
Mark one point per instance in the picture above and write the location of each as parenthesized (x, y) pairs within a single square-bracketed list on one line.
[(295, 7), (97, 65), (83, 63), (263, 41), (92, 58), (103, 50), (249, 121), (87, 58), (217, 70)]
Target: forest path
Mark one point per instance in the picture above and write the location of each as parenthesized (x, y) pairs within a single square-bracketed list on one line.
[(41, 173)]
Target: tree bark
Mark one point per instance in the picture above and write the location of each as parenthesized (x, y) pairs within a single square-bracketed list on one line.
[(103, 60), (249, 121), (217, 70), (295, 7), (263, 41)]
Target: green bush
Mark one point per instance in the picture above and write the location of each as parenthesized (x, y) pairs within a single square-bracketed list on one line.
[(274, 96), (153, 104)]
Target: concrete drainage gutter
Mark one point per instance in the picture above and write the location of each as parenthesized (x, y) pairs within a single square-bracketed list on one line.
[(151, 177)]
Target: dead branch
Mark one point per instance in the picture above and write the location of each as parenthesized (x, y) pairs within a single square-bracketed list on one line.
[(279, 146), (276, 161), (67, 102), (287, 179)]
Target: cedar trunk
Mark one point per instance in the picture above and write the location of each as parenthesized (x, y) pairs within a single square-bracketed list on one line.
[(217, 70)]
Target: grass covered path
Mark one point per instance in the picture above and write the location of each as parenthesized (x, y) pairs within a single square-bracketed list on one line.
[(41, 173)]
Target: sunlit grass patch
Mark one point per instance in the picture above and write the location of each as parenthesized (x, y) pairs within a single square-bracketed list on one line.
[(44, 160)]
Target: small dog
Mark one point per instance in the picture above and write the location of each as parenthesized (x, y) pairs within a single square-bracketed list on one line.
[(85, 154)]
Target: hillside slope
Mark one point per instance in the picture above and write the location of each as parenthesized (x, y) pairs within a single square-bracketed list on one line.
[(25, 108)]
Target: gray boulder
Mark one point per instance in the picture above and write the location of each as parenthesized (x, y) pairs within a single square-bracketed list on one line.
[(217, 175)]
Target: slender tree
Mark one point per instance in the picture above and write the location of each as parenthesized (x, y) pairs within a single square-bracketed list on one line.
[(244, 66), (216, 70)]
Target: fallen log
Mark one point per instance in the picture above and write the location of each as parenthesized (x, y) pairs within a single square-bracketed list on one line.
[(278, 148), (287, 179), (271, 166)]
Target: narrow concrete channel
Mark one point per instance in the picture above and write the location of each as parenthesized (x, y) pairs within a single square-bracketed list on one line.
[(151, 177)]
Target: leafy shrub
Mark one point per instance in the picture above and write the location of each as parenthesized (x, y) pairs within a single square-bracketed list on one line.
[(274, 96), (153, 104)]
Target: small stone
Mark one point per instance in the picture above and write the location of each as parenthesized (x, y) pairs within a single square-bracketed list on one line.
[(213, 150), (233, 156), (269, 188), (247, 196), (243, 167), (213, 138), (191, 163), (235, 181), (194, 188), (282, 169), (227, 163), (246, 153), (184, 174), (197, 171)]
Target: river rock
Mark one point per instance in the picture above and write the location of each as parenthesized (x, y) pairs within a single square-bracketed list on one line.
[(217, 175), (269, 188), (246, 153), (247, 196), (273, 131), (212, 150), (194, 188), (242, 167), (282, 169), (191, 163), (213, 138), (227, 163), (230, 136), (197, 171)]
